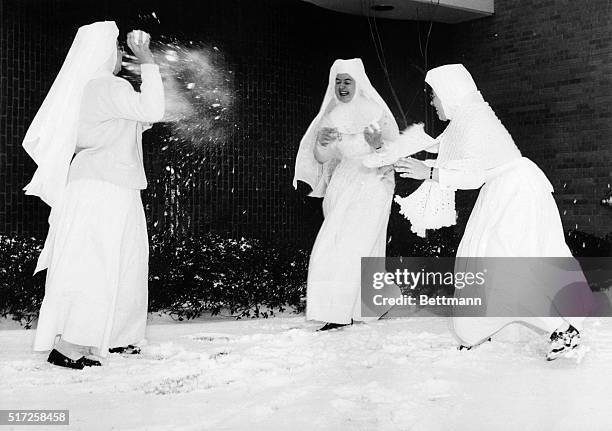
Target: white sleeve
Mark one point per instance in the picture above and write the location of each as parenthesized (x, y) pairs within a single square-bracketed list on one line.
[(146, 106), (434, 149), (466, 172), (467, 177)]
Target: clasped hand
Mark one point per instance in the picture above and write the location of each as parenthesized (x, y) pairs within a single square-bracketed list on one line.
[(327, 135), (373, 137)]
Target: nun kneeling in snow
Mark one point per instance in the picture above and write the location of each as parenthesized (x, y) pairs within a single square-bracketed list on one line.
[(96, 252), (515, 216)]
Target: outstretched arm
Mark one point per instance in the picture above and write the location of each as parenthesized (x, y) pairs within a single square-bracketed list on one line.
[(466, 178)]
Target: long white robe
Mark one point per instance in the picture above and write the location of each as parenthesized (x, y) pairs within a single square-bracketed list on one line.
[(357, 199), (356, 207), (97, 247), (96, 290)]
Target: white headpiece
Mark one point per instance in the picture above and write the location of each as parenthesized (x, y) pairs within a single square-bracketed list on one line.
[(307, 169), (52, 136), (452, 83)]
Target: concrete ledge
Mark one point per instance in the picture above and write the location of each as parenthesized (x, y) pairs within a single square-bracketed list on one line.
[(446, 11)]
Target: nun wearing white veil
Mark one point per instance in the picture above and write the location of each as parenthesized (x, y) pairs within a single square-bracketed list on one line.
[(515, 214), (96, 251), (356, 199)]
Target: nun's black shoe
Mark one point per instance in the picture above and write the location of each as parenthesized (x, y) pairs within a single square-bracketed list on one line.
[(56, 358), (126, 350), (464, 347), (89, 362), (330, 326)]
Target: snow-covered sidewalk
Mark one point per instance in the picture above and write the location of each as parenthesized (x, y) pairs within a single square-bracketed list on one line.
[(278, 374)]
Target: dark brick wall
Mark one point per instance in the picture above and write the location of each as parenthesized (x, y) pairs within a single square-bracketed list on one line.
[(546, 69), (244, 186), (28, 62), (280, 52)]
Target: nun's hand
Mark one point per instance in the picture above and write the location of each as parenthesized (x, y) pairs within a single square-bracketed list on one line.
[(327, 135), (373, 137), (412, 168), (138, 42)]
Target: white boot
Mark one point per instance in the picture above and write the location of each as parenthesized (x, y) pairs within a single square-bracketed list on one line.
[(562, 341)]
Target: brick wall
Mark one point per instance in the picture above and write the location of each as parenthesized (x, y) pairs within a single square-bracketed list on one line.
[(280, 53), (244, 185), (28, 62), (546, 69)]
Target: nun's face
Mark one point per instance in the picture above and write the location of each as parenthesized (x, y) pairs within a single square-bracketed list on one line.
[(435, 102), (117, 67), (345, 87)]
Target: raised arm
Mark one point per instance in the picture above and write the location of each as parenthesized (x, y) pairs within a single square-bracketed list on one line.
[(148, 104)]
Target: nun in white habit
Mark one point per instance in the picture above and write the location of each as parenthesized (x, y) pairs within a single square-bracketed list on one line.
[(96, 252), (515, 214), (356, 198)]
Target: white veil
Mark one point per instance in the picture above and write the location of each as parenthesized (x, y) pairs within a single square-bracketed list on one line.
[(452, 83), (430, 206), (307, 169), (51, 138)]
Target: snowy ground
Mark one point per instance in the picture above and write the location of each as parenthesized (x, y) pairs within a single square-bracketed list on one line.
[(278, 374)]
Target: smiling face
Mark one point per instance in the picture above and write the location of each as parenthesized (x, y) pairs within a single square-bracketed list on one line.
[(435, 102), (345, 87)]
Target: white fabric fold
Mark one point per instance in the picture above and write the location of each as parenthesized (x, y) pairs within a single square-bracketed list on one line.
[(429, 206), (52, 136), (96, 289)]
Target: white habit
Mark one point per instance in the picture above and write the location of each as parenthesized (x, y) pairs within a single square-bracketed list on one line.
[(96, 251), (357, 199), (515, 214)]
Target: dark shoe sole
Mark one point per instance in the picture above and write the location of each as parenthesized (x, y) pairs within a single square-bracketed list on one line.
[(90, 362), (331, 326), (464, 347), (125, 350)]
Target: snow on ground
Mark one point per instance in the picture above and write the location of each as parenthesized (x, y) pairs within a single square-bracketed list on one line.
[(278, 374)]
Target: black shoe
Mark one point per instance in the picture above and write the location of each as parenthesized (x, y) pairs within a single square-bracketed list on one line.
[(126, 350), (330, 326), (89, 362), (56, 358)]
